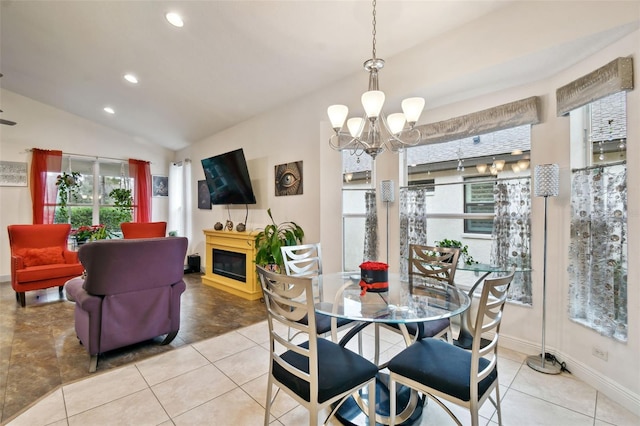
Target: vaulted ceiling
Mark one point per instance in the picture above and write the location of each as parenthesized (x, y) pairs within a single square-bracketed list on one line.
[(231, 61)]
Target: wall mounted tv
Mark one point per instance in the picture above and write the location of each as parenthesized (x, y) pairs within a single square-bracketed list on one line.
[(228, 178)]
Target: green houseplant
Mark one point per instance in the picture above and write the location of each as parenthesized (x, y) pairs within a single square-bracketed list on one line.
[(123, 202), (272, 237), (464, 249), (68, 187)]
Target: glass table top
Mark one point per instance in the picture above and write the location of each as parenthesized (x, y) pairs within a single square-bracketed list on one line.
[(416, 299)]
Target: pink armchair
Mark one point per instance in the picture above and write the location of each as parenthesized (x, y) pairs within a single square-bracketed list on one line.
[(40, 258), (131, 292)]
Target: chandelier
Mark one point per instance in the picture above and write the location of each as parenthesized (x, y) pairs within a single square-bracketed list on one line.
[(374, 133)]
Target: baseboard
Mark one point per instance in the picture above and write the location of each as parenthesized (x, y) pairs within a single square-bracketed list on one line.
[(613, 390), (4, 278)]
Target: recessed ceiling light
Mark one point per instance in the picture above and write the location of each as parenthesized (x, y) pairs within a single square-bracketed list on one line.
[(109, 110), (131, 78), (174, 19)]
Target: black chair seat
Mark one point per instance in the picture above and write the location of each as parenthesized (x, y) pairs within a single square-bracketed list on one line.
[(339, 370), (429, 328), (323, 322), (441, 366)]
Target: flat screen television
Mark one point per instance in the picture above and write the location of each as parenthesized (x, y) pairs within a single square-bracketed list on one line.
[(228, 178)]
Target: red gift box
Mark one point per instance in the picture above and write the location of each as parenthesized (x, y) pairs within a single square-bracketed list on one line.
[(374, 277)]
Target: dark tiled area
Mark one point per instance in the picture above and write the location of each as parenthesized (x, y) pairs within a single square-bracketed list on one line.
[(39, 350)]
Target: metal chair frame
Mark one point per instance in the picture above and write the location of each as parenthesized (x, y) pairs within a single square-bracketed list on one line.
[(288, 299), (488, 319)]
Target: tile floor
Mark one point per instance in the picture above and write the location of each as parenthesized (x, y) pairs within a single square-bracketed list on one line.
[(222, 381)]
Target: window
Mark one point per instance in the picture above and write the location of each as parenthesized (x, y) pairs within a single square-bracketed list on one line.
[(598, 257), (478, 198), (93, 204)]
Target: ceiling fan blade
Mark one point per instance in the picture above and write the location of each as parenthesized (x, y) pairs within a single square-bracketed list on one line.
[(7, 122)]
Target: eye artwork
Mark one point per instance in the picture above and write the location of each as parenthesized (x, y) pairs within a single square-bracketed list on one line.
[(288, 179)]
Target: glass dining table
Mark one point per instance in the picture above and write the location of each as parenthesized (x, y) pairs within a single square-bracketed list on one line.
[(416, 299)]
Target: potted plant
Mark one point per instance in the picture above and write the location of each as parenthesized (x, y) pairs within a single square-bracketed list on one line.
[(271, 238), (464, 249), (68, 187), (123, 202), (87, 233)]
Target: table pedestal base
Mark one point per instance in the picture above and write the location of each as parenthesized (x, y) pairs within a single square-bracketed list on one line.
[(409, 405)]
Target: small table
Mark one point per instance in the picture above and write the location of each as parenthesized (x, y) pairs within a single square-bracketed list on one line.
[(465, 337), (417, 299)]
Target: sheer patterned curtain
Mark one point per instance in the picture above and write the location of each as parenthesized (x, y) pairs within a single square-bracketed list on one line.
[(45, 167), (598, 250), (371, 227), (413, 223), (511, 235), (140, 171)]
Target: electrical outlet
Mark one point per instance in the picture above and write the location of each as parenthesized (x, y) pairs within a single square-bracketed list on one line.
[(600, 353)]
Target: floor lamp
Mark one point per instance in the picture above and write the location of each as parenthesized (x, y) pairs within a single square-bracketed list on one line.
[(545, 185), (386, 190)]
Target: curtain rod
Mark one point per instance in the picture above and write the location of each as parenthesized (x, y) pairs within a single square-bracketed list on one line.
[(430, 185), (599, 166), (70, 154)]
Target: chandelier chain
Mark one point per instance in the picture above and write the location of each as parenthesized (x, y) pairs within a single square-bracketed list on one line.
[(374, 29)]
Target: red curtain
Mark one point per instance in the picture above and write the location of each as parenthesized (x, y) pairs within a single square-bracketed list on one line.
[(140, 171), (45, 168)]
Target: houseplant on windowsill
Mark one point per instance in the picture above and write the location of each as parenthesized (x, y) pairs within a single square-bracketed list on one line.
[(271, 238), (87, 233), (123, 202), (464, 249)]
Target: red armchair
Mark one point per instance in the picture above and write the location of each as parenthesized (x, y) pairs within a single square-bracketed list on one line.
[(40, 258), (131, 230)]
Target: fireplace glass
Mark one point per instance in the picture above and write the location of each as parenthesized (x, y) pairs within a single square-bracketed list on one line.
[(230, 264)]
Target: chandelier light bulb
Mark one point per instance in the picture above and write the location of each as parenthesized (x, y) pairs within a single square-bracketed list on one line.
[(337, 114), (396, 122), (515, 168), (372, 102), (412, 108), (481, 168), (499, 165), (355, 126)]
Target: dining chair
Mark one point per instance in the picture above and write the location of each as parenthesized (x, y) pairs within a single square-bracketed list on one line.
[(438, 263), (318, 372), (306, 261), (444, 371)]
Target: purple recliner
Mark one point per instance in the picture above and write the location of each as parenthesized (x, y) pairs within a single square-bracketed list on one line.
[(131, 292)]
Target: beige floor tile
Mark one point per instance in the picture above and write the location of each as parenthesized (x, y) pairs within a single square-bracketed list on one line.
[(507, 371), (610, 411), (257, 389), (246, 365), (511, 354), (519, 409), (101, 389), (223, 346), (48, 410), (140, 408), (192, 389), (561, 389), (171, 364), (434, 415), (258, 332), (232, 408)]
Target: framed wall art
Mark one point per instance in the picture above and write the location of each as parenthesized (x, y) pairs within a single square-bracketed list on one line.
[(13, 173), (288, 179), (160, 186), (204, 197)]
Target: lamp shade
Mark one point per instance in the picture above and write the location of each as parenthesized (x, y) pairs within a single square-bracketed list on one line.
[(355, 126), (337, 114), (547, 180), (396, 122), (372, 102), (412, 108)]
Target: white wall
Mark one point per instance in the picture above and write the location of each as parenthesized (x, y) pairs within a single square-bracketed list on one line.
[(494, 45), (45, 127)]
